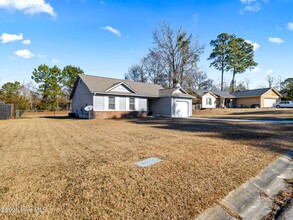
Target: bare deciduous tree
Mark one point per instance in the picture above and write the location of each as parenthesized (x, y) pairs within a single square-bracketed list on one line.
[(270, 81), (179, 51)]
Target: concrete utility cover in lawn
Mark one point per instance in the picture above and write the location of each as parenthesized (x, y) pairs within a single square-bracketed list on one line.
[(148, 162)]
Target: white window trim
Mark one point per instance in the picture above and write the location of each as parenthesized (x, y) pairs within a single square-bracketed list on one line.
[(133, 103), (115, 104)]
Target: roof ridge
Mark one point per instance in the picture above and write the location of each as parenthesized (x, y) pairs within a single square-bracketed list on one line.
[(121, 80)]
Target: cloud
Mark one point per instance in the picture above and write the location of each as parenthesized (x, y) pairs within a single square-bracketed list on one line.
[(55, 61), (6, 38), (26, 42), (270, 71), (275, 40), (256, 70), (290, 26), (247, 1), (41, 55), (252, 8), (112, 30), (255, 45), (26, 54), (28, 6), (252, 5), (278, 27)]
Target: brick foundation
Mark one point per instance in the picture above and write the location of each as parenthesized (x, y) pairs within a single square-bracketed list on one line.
[(119, 114)]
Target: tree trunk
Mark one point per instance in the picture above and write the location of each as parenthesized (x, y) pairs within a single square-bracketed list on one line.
[(222, 80), (233, 81)]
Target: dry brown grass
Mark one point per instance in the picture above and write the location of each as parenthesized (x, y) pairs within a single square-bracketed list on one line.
[(246, 113), (80, 169), (44, 114)]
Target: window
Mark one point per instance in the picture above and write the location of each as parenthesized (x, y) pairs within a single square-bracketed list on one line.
[(131, 104), (208, 101), (111, 103)]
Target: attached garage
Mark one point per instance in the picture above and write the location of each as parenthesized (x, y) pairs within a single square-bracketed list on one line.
[(265, 98), (269, 98), (269, 103), (175, 102)]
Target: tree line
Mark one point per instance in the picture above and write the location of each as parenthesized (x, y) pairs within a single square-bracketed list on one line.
[(51, 91)]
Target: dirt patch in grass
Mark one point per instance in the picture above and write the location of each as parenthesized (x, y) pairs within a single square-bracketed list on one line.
[(73, 169), (246, 113)]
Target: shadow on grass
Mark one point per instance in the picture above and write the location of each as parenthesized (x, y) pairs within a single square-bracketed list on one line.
[(274, 137), (56, 117), (276, 114)]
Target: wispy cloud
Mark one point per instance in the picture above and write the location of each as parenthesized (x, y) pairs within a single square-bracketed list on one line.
[(26, 42), (55, 61), (26, 54), (278, 27), (247, 1), (252, 5), (255, 45), (270, 71), (28, 6), (6, 38), (290, 26), (275, 40), (256, 70), (41, 55), (112, 30), (252, 8)]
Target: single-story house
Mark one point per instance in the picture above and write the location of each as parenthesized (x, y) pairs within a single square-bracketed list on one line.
[(115, 98), (263, 98)]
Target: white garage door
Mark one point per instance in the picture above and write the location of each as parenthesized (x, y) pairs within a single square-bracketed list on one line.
[(181, 109), (269, 103)]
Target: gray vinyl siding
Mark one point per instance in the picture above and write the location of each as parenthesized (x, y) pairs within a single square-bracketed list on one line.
[(161, 106), (81, 98)]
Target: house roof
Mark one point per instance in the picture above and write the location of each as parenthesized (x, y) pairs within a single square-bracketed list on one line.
[(217, 93), (174, 92), (223, 94), (210, 93), (253, 93), (103, 85), (238, 94)]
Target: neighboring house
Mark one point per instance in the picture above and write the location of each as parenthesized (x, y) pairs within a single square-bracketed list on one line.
[(115, 98), (263, 98), (209, 100)]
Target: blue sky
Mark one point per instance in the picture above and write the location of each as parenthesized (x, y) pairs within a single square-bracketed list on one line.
[(106, 37)]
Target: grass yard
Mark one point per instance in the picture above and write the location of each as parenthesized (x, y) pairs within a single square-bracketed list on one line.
[(80, 169)]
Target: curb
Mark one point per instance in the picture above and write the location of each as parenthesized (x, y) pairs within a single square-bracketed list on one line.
[(254, 199)]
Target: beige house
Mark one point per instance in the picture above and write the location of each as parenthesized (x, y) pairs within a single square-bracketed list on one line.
[(209, 100), (262, 98)]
